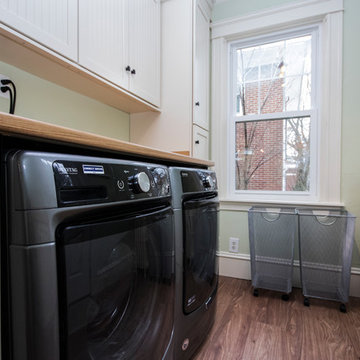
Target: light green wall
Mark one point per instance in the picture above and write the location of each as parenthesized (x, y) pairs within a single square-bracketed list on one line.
[(42, 100), (233, 8), (350, 157), (233, 223)]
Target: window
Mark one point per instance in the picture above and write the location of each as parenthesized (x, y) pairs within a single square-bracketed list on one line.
[(276, 105), (273, 113)]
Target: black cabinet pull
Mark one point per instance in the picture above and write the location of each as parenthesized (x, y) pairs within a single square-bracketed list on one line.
[(197, 103), (128, 68), (133, 71), (197, 142)]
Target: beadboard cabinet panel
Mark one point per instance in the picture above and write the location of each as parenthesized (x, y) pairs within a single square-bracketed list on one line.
[(53, 23), (103, 39), (144, 49)]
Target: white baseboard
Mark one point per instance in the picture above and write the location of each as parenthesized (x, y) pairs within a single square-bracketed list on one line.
[(238, 266)]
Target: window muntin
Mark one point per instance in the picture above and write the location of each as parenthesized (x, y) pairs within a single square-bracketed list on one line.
[(273, 115)]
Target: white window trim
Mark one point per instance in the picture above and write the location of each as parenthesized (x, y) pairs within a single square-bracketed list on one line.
[(329, 15)]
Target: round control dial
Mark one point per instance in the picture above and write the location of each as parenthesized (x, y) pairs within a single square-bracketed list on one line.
[(208, 182), (141, 183)]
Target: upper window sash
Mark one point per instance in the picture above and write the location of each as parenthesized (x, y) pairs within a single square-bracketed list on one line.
[(312, 30)]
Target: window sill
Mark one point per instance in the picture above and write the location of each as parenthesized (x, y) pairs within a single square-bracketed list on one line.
[(239, 205)]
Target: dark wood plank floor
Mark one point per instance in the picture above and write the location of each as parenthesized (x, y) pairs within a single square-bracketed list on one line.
[(265, 327)]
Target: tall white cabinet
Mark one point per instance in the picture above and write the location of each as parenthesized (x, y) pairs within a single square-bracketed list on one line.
[(185, 56), (52, 23), (201, 66), (120, 40)]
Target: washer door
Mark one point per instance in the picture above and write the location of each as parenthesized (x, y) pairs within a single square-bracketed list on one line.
[(200, 222), (117, 287)]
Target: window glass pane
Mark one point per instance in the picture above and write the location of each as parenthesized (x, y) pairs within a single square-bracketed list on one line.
[(273, 155), (271, 96), (297, 93), (274, 77)]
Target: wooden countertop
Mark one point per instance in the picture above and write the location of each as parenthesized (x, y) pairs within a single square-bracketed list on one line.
[(12, 125)]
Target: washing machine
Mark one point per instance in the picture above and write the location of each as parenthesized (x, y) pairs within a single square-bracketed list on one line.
[(195, 203), (89, 259)]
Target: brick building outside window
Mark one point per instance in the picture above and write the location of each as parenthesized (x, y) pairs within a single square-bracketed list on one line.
[(272, 133)]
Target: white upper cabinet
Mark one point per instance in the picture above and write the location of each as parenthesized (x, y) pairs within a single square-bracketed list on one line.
[(120, 41), (52, 23), (201, 66), (144, 49), (103, 39)]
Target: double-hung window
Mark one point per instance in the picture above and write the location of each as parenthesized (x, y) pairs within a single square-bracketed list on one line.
[(276, 105), (273, 114)]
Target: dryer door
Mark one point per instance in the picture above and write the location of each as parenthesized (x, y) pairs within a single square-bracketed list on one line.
[(200, 222), (116, 286)]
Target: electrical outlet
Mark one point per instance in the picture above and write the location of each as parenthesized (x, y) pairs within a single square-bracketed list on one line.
[(234, 245), (5, 94)]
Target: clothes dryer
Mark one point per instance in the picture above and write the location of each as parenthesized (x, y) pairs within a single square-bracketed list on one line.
[(195, 203)]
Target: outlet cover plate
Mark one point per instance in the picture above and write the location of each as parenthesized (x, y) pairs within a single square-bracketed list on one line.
[(234, 245)]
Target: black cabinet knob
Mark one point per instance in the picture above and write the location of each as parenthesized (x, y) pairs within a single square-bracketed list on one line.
[(133, 71), (128, 68), (197, 103), (197, 142)]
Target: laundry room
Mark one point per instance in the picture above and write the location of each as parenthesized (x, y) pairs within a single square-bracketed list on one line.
[(179, 180)]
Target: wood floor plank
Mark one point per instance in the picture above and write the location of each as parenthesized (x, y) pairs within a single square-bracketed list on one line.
[(351, 322), (266, 327), (324, 336), (266, 341)]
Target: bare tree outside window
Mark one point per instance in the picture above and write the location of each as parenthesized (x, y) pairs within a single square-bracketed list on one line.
[(275, 78)]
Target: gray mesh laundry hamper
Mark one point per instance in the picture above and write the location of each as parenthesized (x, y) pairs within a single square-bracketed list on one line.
[(272, 233), (326, 238)]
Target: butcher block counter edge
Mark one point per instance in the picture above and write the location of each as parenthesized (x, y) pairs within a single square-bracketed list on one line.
[(12, 125)]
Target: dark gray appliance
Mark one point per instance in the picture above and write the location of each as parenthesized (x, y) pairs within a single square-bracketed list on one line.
[(195, 204), (90, 259)]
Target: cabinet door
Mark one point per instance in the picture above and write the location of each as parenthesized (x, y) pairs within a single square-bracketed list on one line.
[(201, 68), (144, 49), (53, 23), (103, 39), (200, 143)]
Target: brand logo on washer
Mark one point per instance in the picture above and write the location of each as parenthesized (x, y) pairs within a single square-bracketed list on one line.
[(72, 170)]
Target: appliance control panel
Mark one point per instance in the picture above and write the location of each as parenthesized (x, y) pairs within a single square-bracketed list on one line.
[(198, 181), (84, 183)]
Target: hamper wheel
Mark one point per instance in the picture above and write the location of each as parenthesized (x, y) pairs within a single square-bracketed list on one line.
[(343, 308), (306, 302), (256, 292), (285, 297)]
